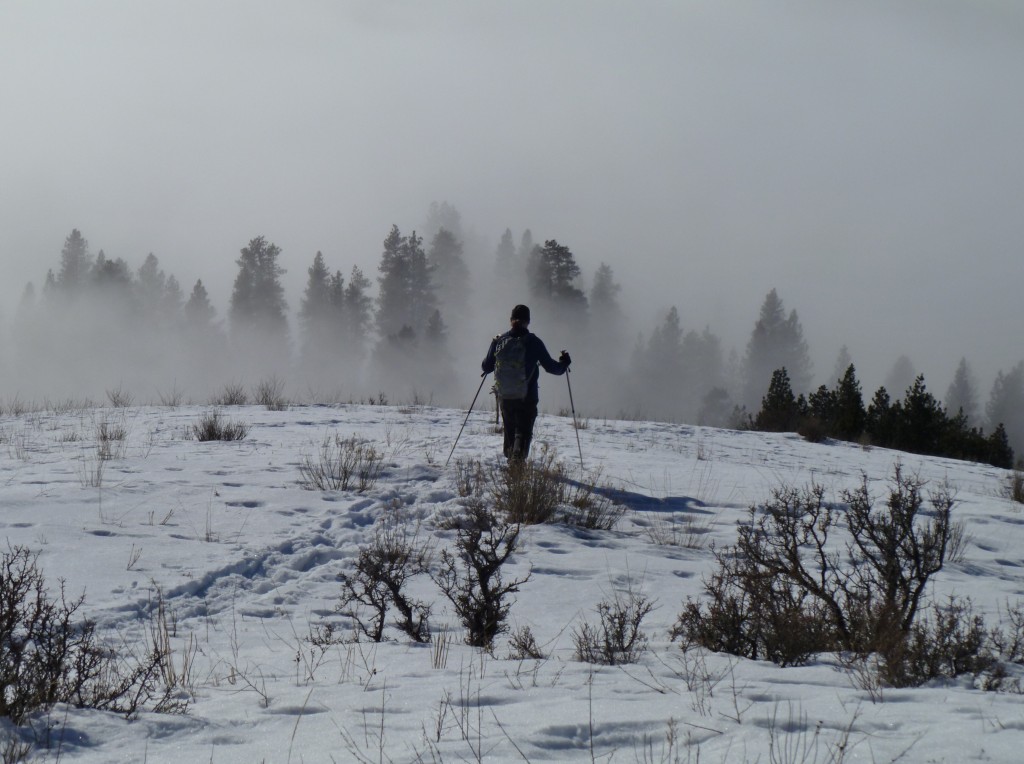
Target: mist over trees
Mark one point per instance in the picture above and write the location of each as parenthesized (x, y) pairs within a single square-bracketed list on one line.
[(413, 332), (258, 310), (962, 394), (777, 341)]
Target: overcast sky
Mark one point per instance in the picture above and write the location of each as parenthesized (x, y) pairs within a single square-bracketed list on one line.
[(865, 159)]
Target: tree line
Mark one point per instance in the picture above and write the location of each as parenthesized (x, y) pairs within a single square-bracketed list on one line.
[(99, 323)]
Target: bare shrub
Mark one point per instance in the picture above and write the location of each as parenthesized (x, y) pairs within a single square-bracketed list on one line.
[(471, 577), (616, 638), (1009, 641), (171, 398), (15, 407), (895, 552), (49, 656), (233, 394), (46, 657), (120, 398), (342, 464), (111, 440), (787, 590), (378, 583), (523, 646), (269, 392), (471, 478), (213, 426), (950, 641), (14, 751)]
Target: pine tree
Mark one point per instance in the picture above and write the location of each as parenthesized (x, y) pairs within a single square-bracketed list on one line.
[(962, 394), (552, 272), (75, 263), (849, 407), (604, 295), (606, 338), (716, 408), (780, 409), (443, 216), (449, 272), (392, 284), (776, 342), (822, 406), (1006, 405), (112, 277), (319, 314), (526, 249), (923, 422), (173, 301), (843, 362), (999, 453), (436, 332), (206, 361), (901, 376), (665, 348), (702, 371), (150, 282), (406, 297), (661, 369), (158, 295), (505, 265), (199, 313), (357, 314), (257, 309), (879, 420)]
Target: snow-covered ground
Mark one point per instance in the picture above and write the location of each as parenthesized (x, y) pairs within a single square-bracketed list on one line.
[(247, 561)]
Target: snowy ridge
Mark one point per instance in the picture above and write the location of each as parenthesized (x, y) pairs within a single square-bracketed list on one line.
[(247, 561)]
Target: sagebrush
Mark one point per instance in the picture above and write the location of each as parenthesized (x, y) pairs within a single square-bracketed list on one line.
[(50, 655), (789, 589)]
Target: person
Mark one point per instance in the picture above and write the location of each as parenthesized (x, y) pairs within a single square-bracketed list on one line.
[(519, 399)]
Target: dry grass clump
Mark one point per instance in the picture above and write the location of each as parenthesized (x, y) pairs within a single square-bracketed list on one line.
[(269, 392), (213, 426), (539, 491), (1015, 485), (233, 394), (679, 530), (342, 464)]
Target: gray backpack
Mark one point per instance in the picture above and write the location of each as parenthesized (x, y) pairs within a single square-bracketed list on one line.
[(510, 378)]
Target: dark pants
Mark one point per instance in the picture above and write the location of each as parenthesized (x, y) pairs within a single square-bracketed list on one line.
[(518, 417)]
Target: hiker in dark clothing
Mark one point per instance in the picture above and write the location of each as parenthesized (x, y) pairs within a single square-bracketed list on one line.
[(514, 357)]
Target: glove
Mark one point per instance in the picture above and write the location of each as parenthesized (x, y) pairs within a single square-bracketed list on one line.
[(564, 359)]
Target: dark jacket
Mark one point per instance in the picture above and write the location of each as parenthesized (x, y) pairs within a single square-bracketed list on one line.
[(536, 355)]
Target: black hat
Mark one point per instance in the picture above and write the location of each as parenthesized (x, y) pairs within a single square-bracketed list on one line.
[(521, 313)]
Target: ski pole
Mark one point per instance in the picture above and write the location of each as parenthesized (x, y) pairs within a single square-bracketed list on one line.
[(471, 405), (574, 425)]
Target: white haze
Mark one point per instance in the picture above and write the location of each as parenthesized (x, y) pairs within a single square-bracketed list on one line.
[(862, 159)]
